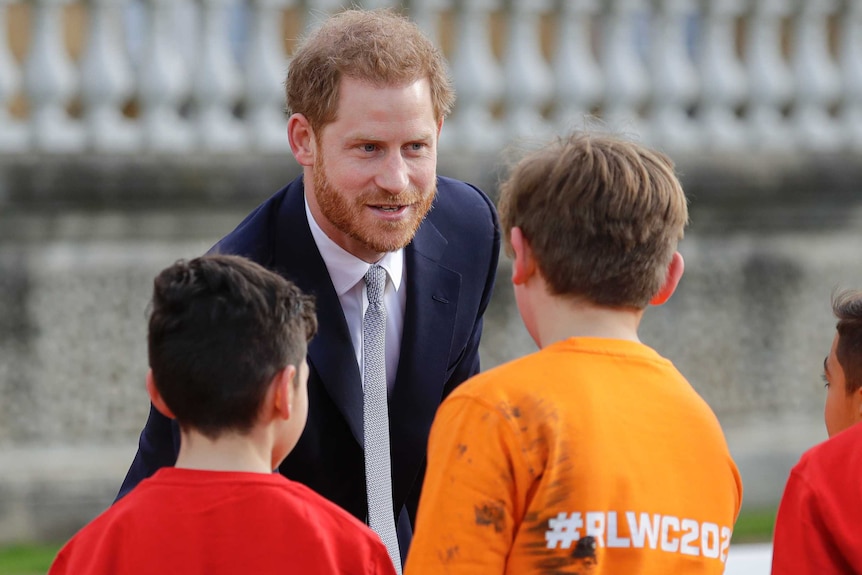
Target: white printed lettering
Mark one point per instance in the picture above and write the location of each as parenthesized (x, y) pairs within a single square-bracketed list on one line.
[(690, 532), (563, 530), (614, 540), (725, 542), (645, 531), (596, 526), (668, 544), (709, 540)]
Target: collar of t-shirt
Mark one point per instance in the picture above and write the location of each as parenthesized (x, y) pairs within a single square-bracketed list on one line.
[(347, 273)]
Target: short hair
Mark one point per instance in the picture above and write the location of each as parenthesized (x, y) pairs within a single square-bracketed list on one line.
[(220, 328), (603, 217), (378, 46), (847, 307)]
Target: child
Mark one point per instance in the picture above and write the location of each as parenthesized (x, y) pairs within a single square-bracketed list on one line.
[(227, 342), (595, 435), (820, 516)]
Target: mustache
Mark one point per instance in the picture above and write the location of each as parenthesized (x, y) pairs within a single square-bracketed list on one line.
[(381, 197)]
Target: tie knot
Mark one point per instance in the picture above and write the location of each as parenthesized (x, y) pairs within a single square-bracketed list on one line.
[(375, 283)]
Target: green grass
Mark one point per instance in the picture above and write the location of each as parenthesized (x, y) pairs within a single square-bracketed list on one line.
[(754, 526), (27, 559)]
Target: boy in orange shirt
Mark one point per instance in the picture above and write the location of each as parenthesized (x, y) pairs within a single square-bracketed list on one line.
[(227, 342), (595, 442)]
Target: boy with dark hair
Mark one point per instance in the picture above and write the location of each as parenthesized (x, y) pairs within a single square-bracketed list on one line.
[(596, 435), (227, 343), (820, 516)]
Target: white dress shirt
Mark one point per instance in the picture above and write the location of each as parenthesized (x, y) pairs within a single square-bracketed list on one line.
[(347, 273)]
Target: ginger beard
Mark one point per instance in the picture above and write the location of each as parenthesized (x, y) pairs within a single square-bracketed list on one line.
[(347, 214)]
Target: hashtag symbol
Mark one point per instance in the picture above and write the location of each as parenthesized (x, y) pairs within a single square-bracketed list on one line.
[(563, 530)]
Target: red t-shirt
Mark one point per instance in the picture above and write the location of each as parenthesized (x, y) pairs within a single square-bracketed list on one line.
[(187, 521), (820, 517)]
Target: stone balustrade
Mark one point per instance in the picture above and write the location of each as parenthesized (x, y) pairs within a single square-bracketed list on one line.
[(206, 75)]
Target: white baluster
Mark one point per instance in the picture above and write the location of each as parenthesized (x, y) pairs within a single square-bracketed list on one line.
[(528, 80), (266, 66), (723, 82), (106, 81), (426, 14), (163, 83), (50, 82), (217, 83), (818, 84), (478, 82), (851, 72), (626, 82), (13, 133), (317, 11), (372, 4), (769, 78), (578, 78), (675, 84)]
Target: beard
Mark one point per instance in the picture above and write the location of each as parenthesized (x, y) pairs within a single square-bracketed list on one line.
[(347, 213)]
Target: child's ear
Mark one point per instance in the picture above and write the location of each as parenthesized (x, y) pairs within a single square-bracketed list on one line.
[(283, 388), (156, 397), (301, 138), (523, 264), (674, 273)]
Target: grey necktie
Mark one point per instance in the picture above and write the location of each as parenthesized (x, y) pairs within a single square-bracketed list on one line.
[(378, 466)]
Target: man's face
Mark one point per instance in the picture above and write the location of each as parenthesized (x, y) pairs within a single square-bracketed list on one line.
[(841, 410), (374, 172)]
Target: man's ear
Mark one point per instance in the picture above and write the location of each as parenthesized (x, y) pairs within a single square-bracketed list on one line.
[(302, 139), (674, 273), (283, 388), (523, 264), (156, 397)]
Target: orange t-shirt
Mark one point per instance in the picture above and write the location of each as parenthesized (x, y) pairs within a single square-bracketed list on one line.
[(590, 456)]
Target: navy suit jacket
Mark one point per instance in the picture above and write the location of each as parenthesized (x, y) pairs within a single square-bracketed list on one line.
[(450, 268)]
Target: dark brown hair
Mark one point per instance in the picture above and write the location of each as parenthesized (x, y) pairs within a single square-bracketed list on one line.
[(220, 328), (847, 307), (602, 215)]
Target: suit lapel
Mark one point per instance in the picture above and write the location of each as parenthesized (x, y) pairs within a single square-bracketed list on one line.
[(432, 303), (330, 354)]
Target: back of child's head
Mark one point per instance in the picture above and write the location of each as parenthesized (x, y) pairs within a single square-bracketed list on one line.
[(602, 215), (220, 328), (847, 307)]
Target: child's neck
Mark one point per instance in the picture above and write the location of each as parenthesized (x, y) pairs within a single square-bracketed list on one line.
[(230, 452), (561, 319)]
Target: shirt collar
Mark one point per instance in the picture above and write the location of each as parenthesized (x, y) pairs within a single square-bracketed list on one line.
[(345, 269)]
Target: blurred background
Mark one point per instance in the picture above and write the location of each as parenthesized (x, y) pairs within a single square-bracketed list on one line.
[(136, 132)]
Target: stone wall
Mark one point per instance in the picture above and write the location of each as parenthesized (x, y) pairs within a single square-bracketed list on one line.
[(82, 238)]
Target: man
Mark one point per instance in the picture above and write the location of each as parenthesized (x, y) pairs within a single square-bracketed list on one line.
[(820, 516), (366, 97)]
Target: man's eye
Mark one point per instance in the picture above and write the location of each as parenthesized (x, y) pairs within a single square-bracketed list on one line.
[(825, 381), (368, 147)]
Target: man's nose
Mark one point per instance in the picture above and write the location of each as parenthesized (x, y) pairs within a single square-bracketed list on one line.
[(393, 175)]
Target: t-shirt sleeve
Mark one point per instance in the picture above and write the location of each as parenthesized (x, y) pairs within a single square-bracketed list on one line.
[(61, 562), (801, 542), (470, 500)]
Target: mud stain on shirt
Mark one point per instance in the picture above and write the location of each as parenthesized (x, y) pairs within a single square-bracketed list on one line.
[(491, 513)]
